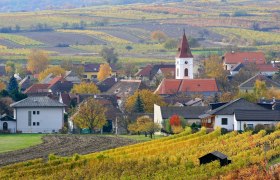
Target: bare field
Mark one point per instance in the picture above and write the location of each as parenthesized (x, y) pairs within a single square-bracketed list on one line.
[(64, 145)]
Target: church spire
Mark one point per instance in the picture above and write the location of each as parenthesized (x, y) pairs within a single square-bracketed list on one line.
[(184, 50)]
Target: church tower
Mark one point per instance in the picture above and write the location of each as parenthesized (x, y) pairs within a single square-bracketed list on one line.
[(184, 60)]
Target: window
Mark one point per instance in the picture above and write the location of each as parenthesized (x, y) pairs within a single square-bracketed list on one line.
[(38, 124), (250, 126), (186, 72), (34, 112), (34, 123), (177, 71), (38, 112), (29, 118), (224, 121)]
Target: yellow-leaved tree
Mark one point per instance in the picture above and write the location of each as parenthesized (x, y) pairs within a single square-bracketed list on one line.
[(144, 124), (148, 98), (85, 88), (2, 85), (55, 70), (90, 114), (37, 61), (104, 72)]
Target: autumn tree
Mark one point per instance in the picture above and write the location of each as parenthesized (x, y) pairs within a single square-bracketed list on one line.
[(2, 85), (90, 114), (104, 72), (55, 70), (148, 98), (37, 61), (5, 105), (260, 89), (109, 55), (213, 68), (85, 88), (128, 70), (144, 124), (10, 68), (170, 44), (176, 124), (159, 36)]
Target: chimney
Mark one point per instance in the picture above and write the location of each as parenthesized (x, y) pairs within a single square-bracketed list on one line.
[(232, 52)]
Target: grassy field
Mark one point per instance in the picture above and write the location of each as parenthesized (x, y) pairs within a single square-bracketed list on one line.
[(13, 142)]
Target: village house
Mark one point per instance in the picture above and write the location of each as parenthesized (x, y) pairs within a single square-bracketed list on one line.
[(248, 85), (231, 59), (91, 71), (223, 114), (38, 115), (189, 113)]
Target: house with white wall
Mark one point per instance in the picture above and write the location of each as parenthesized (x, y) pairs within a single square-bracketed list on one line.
[(224, 116), (189, 113), (250, 118), (7, 124), (38, 115)]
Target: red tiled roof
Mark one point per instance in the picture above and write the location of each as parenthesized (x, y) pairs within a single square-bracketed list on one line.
[(55, 80), (244, 57), (184, 50), (37, 88), (146, 71), (172, 86), (267, 68)]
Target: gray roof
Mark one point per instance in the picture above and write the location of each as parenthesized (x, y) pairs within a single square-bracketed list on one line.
[(257, 115), (217, 154), (230, 107), (250, 83), (125, 88), (37, 101), (187, 112)]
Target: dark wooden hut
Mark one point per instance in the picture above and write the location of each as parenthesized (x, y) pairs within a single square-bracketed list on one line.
[(213, 156)]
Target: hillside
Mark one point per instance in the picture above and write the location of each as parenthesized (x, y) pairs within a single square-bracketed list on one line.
[(35, 5), (174, 157), (79, 34)]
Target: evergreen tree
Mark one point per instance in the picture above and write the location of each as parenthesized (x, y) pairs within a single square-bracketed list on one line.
[(139, 105), (13, 85)]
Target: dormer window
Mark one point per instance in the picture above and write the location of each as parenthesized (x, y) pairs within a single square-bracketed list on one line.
[(117, 90)]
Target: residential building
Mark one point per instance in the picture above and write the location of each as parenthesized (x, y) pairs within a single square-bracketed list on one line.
[(189, 113), (231, 59), (248, 85), (38, 115), (223, 115), (91, 71)]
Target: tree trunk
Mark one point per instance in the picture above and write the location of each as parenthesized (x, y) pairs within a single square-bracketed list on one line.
[(151, 135), (145, 134)]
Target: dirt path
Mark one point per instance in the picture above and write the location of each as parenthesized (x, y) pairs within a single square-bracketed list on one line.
[(64, 145)]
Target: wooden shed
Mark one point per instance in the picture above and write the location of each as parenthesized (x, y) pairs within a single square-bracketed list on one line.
[(213, 156)]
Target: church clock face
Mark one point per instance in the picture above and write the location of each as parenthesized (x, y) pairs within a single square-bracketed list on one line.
[(186, 62)]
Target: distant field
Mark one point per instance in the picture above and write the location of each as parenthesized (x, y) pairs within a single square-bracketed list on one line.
[(18, 141), (20, 39)]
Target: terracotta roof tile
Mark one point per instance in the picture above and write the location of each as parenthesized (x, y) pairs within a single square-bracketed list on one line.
[(172, 86), (244, 57), (267, 68), (145, 71), (37, 88)]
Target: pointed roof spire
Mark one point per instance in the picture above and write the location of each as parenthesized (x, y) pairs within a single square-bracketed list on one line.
[(184, 50)]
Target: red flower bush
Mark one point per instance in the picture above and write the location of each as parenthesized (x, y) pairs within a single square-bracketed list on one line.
[(175, 120)]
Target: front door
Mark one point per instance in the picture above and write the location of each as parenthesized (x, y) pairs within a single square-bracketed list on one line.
[(5, 126)]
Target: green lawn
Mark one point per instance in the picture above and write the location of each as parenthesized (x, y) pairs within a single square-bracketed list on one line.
[(141, 137), (13, 142)]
